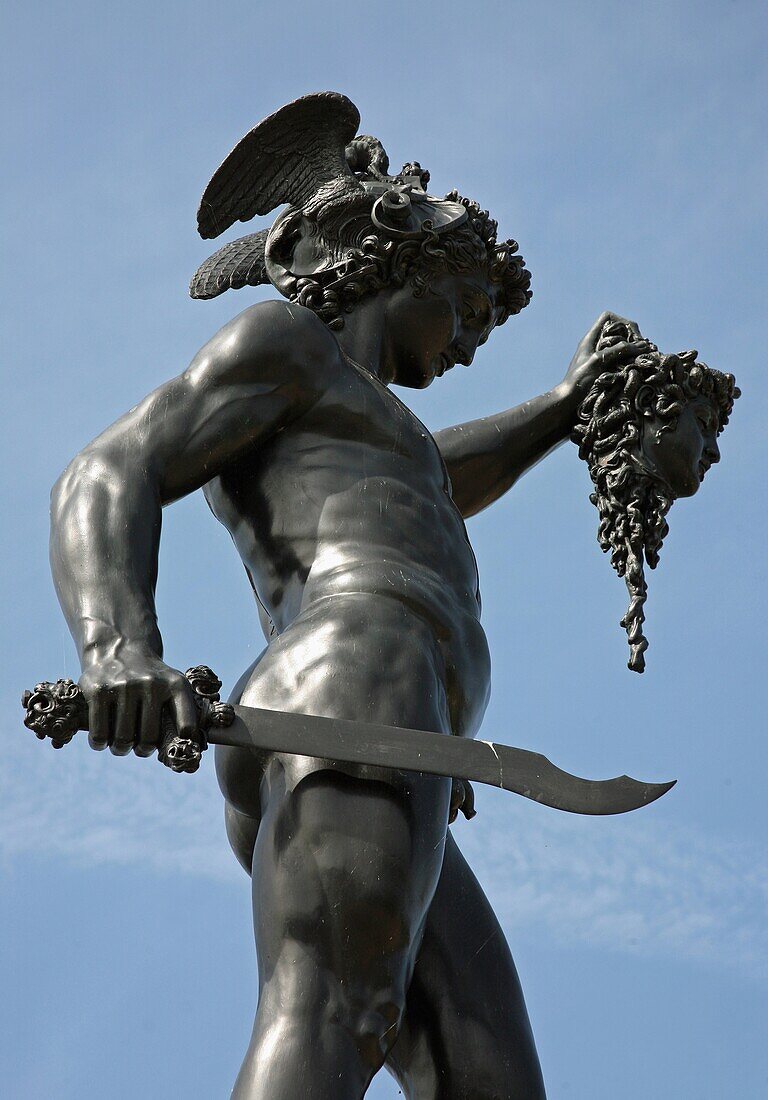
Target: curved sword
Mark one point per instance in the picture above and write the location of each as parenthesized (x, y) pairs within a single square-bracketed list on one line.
[(518, 770), (59, 710)]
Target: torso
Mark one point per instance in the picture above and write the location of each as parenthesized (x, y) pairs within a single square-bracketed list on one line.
[(353, 498)]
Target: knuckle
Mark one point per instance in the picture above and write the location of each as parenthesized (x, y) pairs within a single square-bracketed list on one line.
[(94, 692), (182, 694), (127, 691)]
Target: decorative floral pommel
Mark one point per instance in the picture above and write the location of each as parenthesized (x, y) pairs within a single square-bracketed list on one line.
[(55, 710), (206, 686), (204, 681), (181, 754)]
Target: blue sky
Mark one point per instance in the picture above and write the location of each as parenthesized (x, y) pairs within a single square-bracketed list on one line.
[(622, 146)]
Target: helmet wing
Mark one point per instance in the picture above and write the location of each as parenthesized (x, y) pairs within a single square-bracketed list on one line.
[(286, 158), (239, 263)]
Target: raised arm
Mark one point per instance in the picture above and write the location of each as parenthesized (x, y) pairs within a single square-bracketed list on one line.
[(486, 457), (257, 373)]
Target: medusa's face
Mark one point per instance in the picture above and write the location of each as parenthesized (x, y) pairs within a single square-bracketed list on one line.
[(682, 455)]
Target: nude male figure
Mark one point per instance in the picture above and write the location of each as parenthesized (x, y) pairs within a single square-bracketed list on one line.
[(349, 518)]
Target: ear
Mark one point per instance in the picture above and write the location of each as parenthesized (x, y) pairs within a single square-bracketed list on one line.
[(293, 252), (645, 402)]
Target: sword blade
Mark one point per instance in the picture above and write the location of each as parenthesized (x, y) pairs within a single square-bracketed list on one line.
[(518, 770)]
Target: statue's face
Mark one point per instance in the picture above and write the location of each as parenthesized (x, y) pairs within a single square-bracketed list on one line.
[(682, 456), (427, 336)]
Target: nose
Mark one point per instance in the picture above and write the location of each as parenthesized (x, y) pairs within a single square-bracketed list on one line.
[(712, 451), (465, 347)]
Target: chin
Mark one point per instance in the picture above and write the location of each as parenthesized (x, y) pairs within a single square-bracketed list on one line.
[(423, 382), (685, 485), (415, 377), (413, 381)]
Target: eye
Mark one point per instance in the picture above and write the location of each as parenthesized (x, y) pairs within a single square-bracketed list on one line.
[(476, 312)]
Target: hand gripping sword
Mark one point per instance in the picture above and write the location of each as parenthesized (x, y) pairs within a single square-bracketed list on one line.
[(58, 710)]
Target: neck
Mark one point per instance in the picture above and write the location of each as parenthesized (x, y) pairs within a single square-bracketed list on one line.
[(362, 339)]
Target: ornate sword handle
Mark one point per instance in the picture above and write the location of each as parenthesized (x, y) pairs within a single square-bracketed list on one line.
[(58, 710)]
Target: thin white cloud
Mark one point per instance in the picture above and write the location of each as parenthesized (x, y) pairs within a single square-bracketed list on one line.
[(628, 885), (92, 809)]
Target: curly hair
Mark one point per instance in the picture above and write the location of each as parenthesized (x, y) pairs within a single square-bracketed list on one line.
[(631, 501), (364, 261)]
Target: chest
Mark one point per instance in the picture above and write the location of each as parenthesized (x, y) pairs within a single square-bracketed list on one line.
[(359, 449), (367, 427)]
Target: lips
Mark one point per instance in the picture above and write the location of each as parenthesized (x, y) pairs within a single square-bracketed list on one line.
[(703, 467)]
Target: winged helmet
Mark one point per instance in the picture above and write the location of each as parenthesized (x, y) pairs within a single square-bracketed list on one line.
[(308, 157)]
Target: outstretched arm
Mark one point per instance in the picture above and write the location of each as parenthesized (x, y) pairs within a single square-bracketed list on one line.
[(106, 509), (486, 457)]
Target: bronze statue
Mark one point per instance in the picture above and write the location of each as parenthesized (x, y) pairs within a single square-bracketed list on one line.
[(376, 945)]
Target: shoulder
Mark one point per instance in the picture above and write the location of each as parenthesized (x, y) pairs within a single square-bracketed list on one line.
[(274, 341), (280, 327)]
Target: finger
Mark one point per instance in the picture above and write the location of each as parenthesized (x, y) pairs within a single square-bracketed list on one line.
[(625, 349), (597, 328), (631, 325), (184, 712), (99, 708), (148, 725), (125, 722)]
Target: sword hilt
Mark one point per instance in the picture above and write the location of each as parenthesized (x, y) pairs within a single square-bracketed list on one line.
[(58, 710)]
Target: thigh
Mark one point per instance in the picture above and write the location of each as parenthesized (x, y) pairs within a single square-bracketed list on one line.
[(347, 857), (344, 871), (465, 1033)]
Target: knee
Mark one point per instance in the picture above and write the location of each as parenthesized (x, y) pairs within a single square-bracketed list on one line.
[(366, 1019), (374, 1029), (369, 1027)]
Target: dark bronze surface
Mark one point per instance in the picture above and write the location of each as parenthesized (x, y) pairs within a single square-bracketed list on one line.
[(375, 943)]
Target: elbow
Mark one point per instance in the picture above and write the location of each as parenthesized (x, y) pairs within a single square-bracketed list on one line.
[(85, 473), (94, 474), (66, 485)]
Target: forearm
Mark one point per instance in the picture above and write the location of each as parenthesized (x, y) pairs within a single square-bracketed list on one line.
[(105, 531), (486, 457)]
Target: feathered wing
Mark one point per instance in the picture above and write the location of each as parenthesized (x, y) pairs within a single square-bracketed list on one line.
[(285, 159), (239, 263)]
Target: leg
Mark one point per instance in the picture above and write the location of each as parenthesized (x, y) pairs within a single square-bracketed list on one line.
[(465, 1033), (343, 874), (345, 861)]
